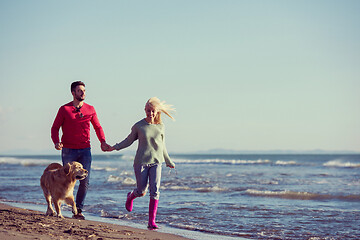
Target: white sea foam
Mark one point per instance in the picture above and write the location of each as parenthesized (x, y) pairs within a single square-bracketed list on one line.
[(25, 162), (176, 188), (9, 160), (107, 169), (210, 189), (285, 194), (128, 181), (279, 162), (199, 189), (223, 161), (126, 173), (122, 180), (301, 195), (127, 157), (340, 163)]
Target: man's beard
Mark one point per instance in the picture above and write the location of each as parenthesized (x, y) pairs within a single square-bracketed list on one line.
[(79, 98)]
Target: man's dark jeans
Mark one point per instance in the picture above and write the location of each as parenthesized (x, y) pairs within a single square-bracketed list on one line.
[(82, 156)]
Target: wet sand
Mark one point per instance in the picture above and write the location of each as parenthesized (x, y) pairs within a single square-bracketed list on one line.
[(18, 224)]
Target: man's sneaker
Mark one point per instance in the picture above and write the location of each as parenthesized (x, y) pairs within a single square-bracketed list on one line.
[(79, 216)]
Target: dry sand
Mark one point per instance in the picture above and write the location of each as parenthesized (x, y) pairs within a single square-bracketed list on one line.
[(18, 224)]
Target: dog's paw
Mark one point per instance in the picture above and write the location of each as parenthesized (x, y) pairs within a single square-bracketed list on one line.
[(51, 214)]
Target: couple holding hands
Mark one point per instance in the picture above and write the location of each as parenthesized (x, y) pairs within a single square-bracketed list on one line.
[(74, 119)]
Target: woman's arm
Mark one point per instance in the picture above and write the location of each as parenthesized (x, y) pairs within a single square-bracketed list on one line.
[(133, 136), (167, 158)]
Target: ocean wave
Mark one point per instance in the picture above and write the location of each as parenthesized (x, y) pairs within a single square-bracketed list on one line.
[(279, 162), (197, 189), (339, 163), (301, 195), (106, 214), (106, 169), (25, 162), (127, 157), (122, 180), (218, 234), (222, 161), (269, 182)]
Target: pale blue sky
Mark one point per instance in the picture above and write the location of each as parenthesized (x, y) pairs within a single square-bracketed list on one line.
[(243, 75)]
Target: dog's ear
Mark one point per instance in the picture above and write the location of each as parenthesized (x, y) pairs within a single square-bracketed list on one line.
[(67, 168)]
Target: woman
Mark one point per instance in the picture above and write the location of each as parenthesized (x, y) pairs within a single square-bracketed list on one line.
[(151, 153)]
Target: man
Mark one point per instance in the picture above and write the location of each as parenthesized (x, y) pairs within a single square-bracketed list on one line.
[(74, 118)]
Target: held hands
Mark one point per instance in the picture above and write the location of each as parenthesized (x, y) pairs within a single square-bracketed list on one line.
[(106, 147)]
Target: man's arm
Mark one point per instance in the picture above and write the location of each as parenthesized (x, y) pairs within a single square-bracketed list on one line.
[(100, 133), (59, 119)]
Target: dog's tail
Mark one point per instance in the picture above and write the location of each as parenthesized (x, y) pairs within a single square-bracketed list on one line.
[(53, 166)]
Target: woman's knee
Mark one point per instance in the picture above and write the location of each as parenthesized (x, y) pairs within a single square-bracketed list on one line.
[(140, 193)]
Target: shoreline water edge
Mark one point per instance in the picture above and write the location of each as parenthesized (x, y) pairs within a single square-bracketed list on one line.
[(19, 223), (33, 224)]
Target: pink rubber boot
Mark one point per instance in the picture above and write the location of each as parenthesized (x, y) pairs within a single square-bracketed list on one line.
[(129, 201), (153, 205)]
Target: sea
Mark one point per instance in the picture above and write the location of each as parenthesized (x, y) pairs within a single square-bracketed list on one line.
[(237, 196)]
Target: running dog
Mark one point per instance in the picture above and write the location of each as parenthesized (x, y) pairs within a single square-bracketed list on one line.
[(58, 182)]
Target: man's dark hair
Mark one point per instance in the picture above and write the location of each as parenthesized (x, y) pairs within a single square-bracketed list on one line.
[(75, 84)]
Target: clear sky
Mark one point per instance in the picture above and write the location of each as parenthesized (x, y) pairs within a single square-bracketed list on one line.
[(242, 75)]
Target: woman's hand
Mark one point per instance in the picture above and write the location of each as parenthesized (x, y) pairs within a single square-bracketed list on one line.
[(170, 166)]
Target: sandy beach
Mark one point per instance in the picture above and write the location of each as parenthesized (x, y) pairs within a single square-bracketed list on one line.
[(17, 224)]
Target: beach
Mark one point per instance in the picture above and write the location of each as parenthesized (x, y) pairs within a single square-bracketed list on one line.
[(18, 223), (207, 197)]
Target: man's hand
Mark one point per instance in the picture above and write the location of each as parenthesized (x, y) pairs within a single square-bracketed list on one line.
[(106, 147), (59, 146)]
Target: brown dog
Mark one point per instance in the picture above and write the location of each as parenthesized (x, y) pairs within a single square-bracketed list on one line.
[(58, 184)]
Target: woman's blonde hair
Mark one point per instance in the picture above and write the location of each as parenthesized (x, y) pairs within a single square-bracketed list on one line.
[(160, 106)]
